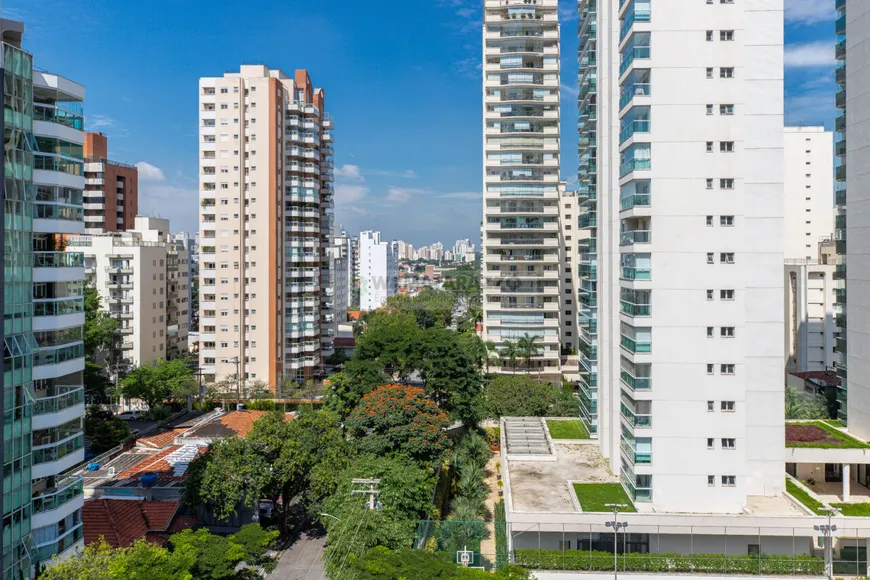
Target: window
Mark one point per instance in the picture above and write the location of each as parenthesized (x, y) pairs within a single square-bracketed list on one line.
[(709, 221), (726, 294), (223, 106), (726, 109), (710, 408), (711, 443), (711, 479), (726, 220), (709, 369), (726, 258), (709, 146), (729, 480), (709, 109), (709, 295), (710, 335), (753, 549), (726, 35), (709, 184), (728, 443), (726, 72), (727, 406), (726, 146), (709, 257), (726, 369), (726, 183), (709, 72), (709, 36), (726, 332), (223, 90)]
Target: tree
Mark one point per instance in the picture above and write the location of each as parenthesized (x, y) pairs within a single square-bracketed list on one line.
[(509, 351), (381, 563), (359, 378), (99, 327), (97, 383), (141, 561), (528, 347), (450, 373), (105, 433), (92, 563), (158, 382), (491, 353), (798, 406), (216, 557), (389, 339), (518, 396), (399, 419), (430, 307)]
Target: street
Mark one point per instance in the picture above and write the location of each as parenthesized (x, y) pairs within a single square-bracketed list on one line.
[(301, 561)]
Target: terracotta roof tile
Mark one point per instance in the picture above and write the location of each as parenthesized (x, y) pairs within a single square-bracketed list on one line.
[(121, 522), (234, 424), (156, 463), (161, 439), (829, 377)]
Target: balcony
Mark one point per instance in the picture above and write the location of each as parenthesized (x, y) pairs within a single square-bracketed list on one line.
[(635, 237), (635, 420), (633, 273), (629, 447), (635, 383), (840, 26), (635, 310), (58, 409), (46, 505), (632, 91), (57, 457), (636, 52), (58, 260), (58, 546), (635, 200), (637, 12), (840, 197), (635, 164), (632, 127), (632, 345)]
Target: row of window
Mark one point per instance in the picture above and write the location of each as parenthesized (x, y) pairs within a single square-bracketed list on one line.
[(724, 257), (724, 331), (724, 369), (726, 442), (724, 35), (727, 480), (724, 406), (725, 72), (724, 220)]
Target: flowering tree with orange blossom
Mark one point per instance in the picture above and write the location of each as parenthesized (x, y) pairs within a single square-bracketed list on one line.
[(397, 419)]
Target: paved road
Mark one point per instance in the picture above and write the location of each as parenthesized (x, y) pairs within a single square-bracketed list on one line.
[(301, 561)]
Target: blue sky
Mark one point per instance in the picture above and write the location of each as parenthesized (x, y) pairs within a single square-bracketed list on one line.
[(402, 82)]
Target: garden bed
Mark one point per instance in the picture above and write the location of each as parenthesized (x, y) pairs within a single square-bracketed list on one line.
[(860, 510), (802, 496), (671, 563), (568, 429), (594, 497), (818, 434)]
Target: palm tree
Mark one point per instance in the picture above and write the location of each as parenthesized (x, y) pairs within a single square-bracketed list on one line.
[(528, 347), (510, 351), (491, 350)]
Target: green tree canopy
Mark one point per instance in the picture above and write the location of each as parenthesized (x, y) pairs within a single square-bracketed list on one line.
[(160, 381), (389, 338), (99, 326), (522, 396), (800, 406), (399, 419), (141, 561), (384, 564), (450, 372)]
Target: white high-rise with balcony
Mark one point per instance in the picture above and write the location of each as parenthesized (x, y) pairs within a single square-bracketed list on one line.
[(378, 270), (684, 190), (520, 234)]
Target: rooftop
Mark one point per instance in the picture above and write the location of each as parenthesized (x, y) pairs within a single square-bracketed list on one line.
[(827, 377), (123, 521), (820, 435)]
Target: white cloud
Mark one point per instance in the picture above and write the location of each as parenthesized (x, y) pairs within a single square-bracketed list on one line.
[(469, 67), (408, 173), (568, 13), (347, 193), (349, 172), (473, 195), (810, 54), (399, 194), (810, 108), (809, 11), (573, 91), (148, 172), (98, 122)]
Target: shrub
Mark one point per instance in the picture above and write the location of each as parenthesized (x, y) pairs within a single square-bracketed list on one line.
[(492, 435), (501, 550)]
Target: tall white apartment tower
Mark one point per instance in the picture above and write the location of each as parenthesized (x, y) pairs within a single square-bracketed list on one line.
[(683, 105), (809, 191), (266, 200), (520, 234), (378, 270)]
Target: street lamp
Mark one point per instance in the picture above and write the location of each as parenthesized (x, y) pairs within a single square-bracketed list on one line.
[(616, 525), (330, 516), (828, 531)]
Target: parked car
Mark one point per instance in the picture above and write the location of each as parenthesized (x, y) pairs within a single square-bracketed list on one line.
[(100, 414), (130, 416)]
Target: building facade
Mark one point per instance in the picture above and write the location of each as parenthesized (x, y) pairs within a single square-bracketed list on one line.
[(520, 234), (681, 164), (142, 279), (378, 270), (111, 189), (809, 191), (266, 202), (43, 399)]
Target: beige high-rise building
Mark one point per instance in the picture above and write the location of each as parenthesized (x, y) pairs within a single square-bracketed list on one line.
[(266, 199)]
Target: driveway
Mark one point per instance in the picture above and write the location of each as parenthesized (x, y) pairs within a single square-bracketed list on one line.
[(301, 561)]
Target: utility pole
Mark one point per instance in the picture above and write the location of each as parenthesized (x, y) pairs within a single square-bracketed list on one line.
[(828, 531), (372, 492), (237, 362), (616, 524)]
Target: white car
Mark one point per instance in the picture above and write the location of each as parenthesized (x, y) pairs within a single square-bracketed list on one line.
[(130, 416)]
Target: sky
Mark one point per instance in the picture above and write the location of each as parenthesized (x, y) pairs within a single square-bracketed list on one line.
[(402, 80)]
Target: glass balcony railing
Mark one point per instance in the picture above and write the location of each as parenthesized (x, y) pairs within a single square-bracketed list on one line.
[(635, 126), (632, 91), (635, 237), (637, 493), (59, 355), (66, 489), (637, 52), (47, 551), (636, 383), (637, 12), (635, 346), (638, 457), (639, 421), (635, 200), (634, 165), (56, 403), (635, 310), (57, 451), (633, 273), (52, 114), (58, 260)]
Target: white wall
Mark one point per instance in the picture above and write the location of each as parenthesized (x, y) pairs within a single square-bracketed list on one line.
[(809, 190), (809, 317), (377, 270)]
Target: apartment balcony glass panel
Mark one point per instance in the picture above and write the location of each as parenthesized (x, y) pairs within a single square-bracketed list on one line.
[(637, 11), (635, 194), (637, 84), (635, 303), (636, 339), (637, 48), (637, 120), (66, 489), (635, 237), (635, 158)]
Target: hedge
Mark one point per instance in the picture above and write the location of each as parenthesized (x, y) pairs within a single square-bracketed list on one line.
[(670, 563), (501, 548)]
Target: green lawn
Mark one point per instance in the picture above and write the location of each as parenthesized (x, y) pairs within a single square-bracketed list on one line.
[(594, 496), (799, 494), (800, 435), (570, 429), (853, 509)]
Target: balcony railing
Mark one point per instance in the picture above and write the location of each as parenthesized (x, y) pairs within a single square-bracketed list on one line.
[(635, 383), (633, 273), (58, 260), (635, 310), (633, 53), (635, 200), (630, 449), (56, 451), (67, 488), (56, 403), (639, 421), (634, 165), (635, 237), (635, 126), (632, 91), (59, 545), (633, 345)]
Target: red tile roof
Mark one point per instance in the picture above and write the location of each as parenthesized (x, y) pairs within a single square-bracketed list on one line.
[(121, 521), (156, 463), (829, 377), (161, 439)]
